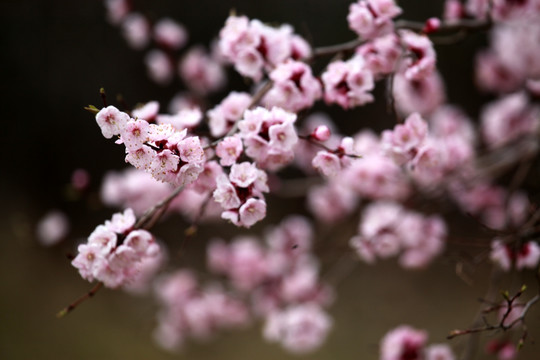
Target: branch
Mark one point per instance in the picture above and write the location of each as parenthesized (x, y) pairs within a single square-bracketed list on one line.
[(80, 300), (460, 27), (155, 212)]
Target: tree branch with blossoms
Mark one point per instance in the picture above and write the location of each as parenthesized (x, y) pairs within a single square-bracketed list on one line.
[(227, 161)]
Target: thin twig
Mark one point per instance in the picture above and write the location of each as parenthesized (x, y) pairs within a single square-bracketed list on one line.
[(163, 204), (80, 300), (460, 27)]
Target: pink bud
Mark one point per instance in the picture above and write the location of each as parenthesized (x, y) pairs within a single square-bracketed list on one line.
[(80, 179), (321, 133), (432, 24)]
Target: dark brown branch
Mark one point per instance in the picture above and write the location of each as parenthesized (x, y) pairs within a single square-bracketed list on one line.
[(459, 28), (80, 300), (461, 25)]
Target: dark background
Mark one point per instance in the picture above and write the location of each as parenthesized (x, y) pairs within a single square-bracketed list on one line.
[(55, 56)]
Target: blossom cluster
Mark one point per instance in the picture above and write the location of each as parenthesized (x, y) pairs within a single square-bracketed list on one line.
[(406, 342), (168, 154), (254, 47), (116, 253), (282, 281), (241, 194), (226, 158), (189, 310), (387, 229)]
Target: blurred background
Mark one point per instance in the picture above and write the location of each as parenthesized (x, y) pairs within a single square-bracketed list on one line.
[(56, 55)]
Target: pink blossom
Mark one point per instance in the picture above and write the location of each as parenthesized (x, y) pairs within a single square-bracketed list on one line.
[(163, 165), (439, 352), (252, 211), (453, 10), (321, 133), (348, 83), (421, 62), (104, 238), (80, 179), (225, 194), (327, 163), (254, 47), (381, 54), (140, 158), (103, 259), (376, 176), (200, 72), (504, 255), (132, 189), (184, 118), (504, 349), (402, 143), (159, 66), (403, 342), (111, 121), (136, 30), (222, 117), (141, 242), (87, 258), (283, 136), (387, 230), (428, 165), (228, 150), (276, 125), (423, 96), (191, 151), (294, 87), (299, 329), (528, 256), (508, 119), (244, 174), (117, 10), (147, 111), (121, 222), (52, 228), (332, 202), (293, 236), (169, 33), (145, 272), (247, 267), (135, 134), (218, 256), (372, 18), (516, 47)]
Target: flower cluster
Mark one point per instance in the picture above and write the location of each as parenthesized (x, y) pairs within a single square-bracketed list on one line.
[(169, 155), (254, 47), (116, 252), (526, 255), (372, 18), (189, 310), (241, 194), (269, 136), (281, 280), (433, 152), (294, 87), (405, 342), (387, 229), (222, 117), (348, 83)]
